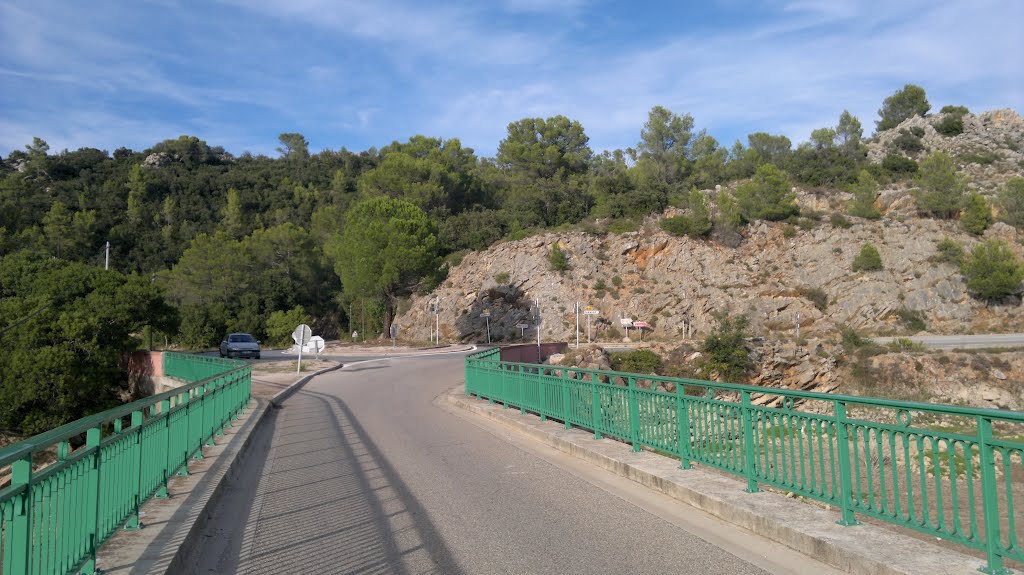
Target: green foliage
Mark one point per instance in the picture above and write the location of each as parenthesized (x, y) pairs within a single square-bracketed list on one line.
[(724, 349), (899, 166), (281, 325), (665, 142), (768, 196), (616, 281), (65, 328), (940, 188), (539, 148), (501, 277), (622, 226), (980, 158), (851, 339), (950, 125), (955, 110), (908, 142), (816, 296), (977, 214), (294, 146), (864, 191), (1011, 202), (642, 361), (557, 258), (868, 259), (948, 251), (840, 221), (903, 104), (696, 224), (992, 271), (599, 285), (913, 320)]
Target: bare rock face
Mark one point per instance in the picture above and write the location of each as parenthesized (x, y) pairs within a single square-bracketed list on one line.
[(157, 160)]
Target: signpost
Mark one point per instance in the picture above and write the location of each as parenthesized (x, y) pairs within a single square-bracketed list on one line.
[(576, 308), (394, 334), (640, 325), (486, 314), (522, 329), (301, 336), (627, 322), (589, 311)]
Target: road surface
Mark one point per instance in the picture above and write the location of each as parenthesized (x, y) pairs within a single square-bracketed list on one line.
[(363, 471), (1001, 340)]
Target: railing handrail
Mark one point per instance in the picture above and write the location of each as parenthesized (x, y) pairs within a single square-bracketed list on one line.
[(41, 441), (940, 408)]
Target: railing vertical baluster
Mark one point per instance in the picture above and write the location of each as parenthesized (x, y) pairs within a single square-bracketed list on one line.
[(634, 414), (136, 486), (749, 467), (93, 484), (682, 427), (845, 482), (21, 522), (595, 406), (566, 402)]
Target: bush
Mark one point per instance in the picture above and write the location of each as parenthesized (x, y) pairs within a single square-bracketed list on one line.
[(913, 320), (557, 258), (639, 361), (956, 110), (599, 285), (868, 259), (940, 189), (281, 324), (768, 196), (864, 191), (1011, 202), (992, 271), (977, 214), (622, 226), (951, 125), (908, 142), (840, 221), (948, 251), (898, 165), (725, 349), (501, 277), (616, 281), (816, 296)]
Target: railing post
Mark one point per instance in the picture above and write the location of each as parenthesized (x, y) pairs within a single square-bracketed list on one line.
[(634, 414), (92, 516), (989, 503), (20, 535), (136, 486), (682, 427), (565, 398), (520, 383), (504, 385), (749, 464), (185, 433), (595, 405), (541, 383), (165, 444), (845, 481)]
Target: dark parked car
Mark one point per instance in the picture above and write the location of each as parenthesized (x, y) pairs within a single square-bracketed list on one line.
[(240, 345)]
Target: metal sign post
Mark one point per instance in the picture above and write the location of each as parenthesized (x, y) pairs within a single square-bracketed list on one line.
[(394, 334), (577, 308), (589, 311), (640, 325), (301, 336), (486, 314)]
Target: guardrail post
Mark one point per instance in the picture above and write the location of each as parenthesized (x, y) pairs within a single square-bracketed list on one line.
[(165, 444), (989, 504), (186, 433), (542, 383), (520, 383), (634, 414), (136, 486), (565, 398), (92, 516), (595, 405), (845, 481), (504, 385), (19, 536), (682, 427), (749, 463)]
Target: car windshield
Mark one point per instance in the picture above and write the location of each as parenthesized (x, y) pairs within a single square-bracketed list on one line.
[(241, 338)]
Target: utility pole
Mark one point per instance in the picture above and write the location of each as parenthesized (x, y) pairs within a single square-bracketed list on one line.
[(798, 325), (577, 325), (106, 257)]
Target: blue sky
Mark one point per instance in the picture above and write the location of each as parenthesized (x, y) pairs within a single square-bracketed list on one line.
[(237, 73)]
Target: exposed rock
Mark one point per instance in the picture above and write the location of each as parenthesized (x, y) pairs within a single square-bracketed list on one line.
[(157, 160)]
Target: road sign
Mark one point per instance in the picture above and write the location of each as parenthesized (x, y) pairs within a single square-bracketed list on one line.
[(641, 324), (394, 330), (626, 321), (590, 311), (302, 334), (523, 325), (485, 313)]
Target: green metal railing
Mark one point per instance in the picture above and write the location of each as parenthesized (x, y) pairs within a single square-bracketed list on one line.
[(53, 519), (955, 473)]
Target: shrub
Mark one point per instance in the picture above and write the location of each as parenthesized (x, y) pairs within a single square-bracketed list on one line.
[(913, 320), (599, 285), (992, 271), (725, 349), (557, 258), (868, 259), (816, 296), (940, 189), (501, 277), (948, 250), (977, 214), (768, 196), (616, 281), (950, 125), (622, 226), (639, 361), (1011, 202), (898, 165), (908, 142), (281, 324), (851, 339), (864, 191), (982, 159), (956, 110), (788, 231), (840, 221)]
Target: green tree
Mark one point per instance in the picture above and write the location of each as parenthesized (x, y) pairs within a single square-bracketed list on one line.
[(557, 258), (992, 271), (232, 220), (940, 188), (282, 323), (665, 139), (977, 214), (865, 191), (849, 134), (539, 148), (386, 248), (1011, 202), (768, 149), (902, 105), (868, 259), (823, 138), (709, 160), (768, 196), (724, 350), (293, 146)]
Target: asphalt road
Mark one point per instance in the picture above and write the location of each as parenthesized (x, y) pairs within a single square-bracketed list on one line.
[(363, 471), (1001, 340)]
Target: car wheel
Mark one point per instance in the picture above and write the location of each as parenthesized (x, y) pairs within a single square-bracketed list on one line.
[(222, 354)]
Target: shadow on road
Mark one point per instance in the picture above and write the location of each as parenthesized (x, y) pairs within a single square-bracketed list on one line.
[(320, 497)]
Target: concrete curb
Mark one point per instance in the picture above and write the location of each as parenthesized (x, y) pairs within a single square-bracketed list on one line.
[(286, 392), (862, 549)]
